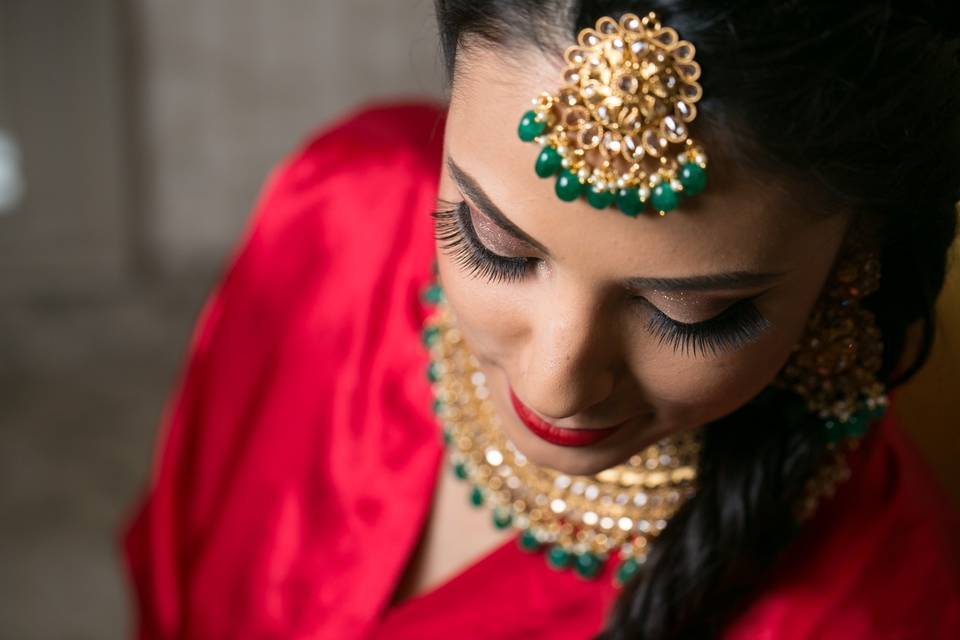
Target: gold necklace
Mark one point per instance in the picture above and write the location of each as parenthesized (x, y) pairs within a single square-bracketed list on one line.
[(580, 520)]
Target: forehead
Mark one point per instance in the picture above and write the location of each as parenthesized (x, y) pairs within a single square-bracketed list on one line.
[(742, 221)]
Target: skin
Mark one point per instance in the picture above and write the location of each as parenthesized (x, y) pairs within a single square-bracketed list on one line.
[(571, 338)]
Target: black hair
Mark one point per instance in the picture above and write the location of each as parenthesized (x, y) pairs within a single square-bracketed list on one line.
[(861, 99)]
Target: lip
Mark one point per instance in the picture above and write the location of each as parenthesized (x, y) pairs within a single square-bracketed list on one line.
[(558, 435)]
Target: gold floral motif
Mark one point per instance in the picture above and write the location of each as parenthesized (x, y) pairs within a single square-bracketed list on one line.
[(622, 116)]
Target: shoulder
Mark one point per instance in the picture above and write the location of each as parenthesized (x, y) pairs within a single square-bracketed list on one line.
[(879, 560)]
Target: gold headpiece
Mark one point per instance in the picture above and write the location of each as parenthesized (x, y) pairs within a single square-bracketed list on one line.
[(617, 130)]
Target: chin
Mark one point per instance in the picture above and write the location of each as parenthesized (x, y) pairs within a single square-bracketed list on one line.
[(581, 461)]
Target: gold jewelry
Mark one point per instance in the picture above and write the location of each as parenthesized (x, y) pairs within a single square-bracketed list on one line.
[(581, 520), (834, 367), (617, 129)]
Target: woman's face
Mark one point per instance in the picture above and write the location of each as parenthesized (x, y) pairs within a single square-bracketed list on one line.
[(592, 318)]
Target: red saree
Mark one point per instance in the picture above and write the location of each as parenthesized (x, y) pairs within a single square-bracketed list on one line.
[(298, 456)]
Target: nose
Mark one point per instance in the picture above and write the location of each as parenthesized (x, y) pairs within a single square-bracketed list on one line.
[(571, 356)]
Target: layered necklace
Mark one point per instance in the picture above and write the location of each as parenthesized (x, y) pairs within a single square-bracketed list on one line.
[(578, 521)]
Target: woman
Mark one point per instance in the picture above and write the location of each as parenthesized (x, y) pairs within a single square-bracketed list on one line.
[(675, 422)]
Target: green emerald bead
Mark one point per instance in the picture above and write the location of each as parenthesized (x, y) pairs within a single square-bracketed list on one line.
[(460, 470), (528, 541), (433, 294), (587, 565), (629, 202), (568, 186), (433, 372), (530, 127), (856, 426), (437, 406), (693, 177), (599, 199), (833, 431), (476, 496), (558, 557), (627, 569), (429, 335), (502, 518), (447, 437), (664, 198), (549, 162)]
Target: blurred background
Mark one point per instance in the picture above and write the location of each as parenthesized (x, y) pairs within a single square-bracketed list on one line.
[(134, 138)]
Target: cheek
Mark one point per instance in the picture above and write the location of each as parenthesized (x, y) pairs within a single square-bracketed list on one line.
[(686, 390)]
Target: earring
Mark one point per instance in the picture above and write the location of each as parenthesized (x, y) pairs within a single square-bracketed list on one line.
[(834, 366)]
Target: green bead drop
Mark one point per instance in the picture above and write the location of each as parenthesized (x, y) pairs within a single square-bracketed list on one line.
[(530, 127), (856, 426), (587, 565), (429, 335), (629, 202), (528, 541), (502, 518), (447, 437), (599, 199), (437, 406), (568, 186), (476, 496), (433, 294), (549, 162), (433, 372), (558, 557), (626, 570), (664, 198), (460, 470), (833, 431), (693, 177)]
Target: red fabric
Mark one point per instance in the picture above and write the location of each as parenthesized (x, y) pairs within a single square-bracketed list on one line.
[(298, 456)]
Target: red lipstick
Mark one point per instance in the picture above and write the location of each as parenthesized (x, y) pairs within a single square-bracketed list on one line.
[(559, 435)]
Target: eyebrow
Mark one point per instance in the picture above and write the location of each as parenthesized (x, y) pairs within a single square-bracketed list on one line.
[(472, 190), (710, 282)]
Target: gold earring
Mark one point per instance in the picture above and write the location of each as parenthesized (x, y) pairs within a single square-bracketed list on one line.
[(834, 366)]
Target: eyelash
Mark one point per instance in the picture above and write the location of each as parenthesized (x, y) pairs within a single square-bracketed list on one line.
[(734, 327), (453, 228)]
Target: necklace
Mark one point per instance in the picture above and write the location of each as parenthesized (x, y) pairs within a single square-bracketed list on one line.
[(580, 521)]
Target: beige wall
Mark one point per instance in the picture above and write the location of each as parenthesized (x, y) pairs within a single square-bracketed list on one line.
[(148, 126), (229, 86), (61, 97)]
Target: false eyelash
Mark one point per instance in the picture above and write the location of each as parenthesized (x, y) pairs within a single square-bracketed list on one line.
[(454, 231), (735, 327)]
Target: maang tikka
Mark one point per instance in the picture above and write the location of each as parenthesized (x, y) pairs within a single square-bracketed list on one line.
[(616, 131)]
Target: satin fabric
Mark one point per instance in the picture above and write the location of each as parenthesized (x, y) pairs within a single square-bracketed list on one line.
[(298, 454)]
